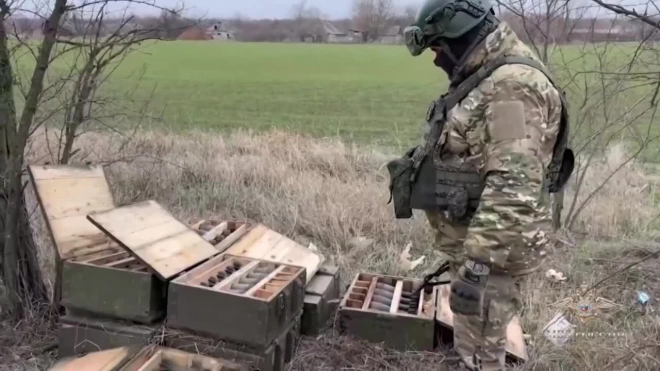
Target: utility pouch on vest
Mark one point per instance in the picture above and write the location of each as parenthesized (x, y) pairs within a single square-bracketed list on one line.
[(443, 186), (401, 171)]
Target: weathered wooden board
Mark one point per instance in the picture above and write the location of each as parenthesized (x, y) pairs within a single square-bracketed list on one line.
[(158, 358), (66, 194), (263, 243), (155, 237), (515, 342), (106, 360), (273, 358)]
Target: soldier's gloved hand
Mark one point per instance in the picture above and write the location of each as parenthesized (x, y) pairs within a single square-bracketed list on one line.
[(469, 288)]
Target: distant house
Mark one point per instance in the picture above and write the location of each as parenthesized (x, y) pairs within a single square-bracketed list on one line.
[(392, 35), (214, 32), (598, 30), (218, 32), (334, 35)]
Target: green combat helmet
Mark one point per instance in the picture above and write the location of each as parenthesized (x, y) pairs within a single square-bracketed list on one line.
[(439, 20)]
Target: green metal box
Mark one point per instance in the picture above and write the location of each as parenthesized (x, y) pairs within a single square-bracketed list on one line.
[(112, 283), (77, 335), (321, 296), (383, 309), (237, 299), (273, 357)]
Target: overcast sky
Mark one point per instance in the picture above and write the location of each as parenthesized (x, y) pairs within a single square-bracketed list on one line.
[(331, 9)]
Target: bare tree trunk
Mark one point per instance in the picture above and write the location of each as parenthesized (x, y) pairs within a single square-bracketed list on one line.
[(20, 269)]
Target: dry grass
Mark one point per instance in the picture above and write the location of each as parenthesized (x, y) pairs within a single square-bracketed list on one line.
[(621, 205), (336, 196)]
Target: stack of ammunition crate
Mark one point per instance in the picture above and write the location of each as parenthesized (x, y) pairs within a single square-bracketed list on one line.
[(238, 308), (145, 358), (136, 275)]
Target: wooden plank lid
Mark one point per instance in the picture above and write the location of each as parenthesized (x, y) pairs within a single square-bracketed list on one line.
[(155, 237), (66, 194)]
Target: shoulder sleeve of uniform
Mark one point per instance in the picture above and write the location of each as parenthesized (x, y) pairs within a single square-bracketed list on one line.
[(510, 206)]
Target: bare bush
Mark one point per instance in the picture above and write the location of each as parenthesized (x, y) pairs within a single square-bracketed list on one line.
[(24, 69), (371, 17)]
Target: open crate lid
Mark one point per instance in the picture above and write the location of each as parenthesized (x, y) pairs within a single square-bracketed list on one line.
[(264, 243), (155, 237), (66, 194), (104, 360)]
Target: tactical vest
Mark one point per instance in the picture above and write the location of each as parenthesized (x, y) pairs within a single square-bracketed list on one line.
[(418, 182)]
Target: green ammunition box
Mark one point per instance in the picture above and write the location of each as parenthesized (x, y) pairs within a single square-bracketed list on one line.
[(320, 292), (249, 301), (113, 284), (77, 336), (384, 309), (273, 357)]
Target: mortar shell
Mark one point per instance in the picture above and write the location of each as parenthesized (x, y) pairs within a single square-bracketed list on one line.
[(408, 309), (379, 306), (221, 276), (249, 281), (385, 293), (256, 275), (240, 286), (264, 270), (213, 280), (390, 295), (229, 270), (384, 286), (237, 265), (205, 284), (382, 300)]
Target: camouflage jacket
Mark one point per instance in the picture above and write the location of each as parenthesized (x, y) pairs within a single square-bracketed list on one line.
[(507, 127)]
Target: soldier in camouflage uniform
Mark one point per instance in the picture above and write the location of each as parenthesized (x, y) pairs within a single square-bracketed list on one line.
[(506, 128)]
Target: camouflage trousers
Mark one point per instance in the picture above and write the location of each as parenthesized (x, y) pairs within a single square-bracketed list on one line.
[(484, 337)]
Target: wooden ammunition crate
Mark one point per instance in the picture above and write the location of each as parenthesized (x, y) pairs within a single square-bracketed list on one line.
[(78, 335), (320, 294), (273, 357), (232, 298), (380, 309), (102, 360), (94, 274), (156, 358)]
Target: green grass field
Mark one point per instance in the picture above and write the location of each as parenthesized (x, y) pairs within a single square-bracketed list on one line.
[(372, 94), (365, 93)]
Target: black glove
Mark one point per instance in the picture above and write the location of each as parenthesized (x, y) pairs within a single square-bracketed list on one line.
[(467, 291)]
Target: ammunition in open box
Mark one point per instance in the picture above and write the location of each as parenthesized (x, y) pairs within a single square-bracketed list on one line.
[(253, 314), (409, 325)]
